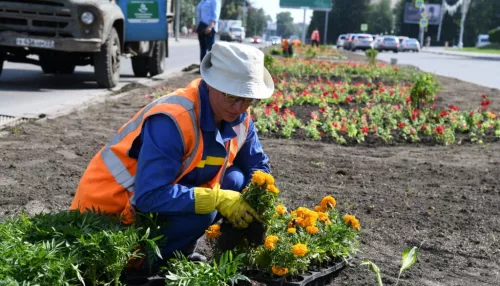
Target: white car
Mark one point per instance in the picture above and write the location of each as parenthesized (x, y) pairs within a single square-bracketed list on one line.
[(275, 40), (340, 41), (483, 40)]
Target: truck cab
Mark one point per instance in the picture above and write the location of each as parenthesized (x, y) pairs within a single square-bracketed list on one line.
[(66, 33)]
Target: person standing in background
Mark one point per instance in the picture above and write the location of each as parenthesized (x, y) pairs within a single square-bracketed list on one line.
[(315, 38), (207, 16)]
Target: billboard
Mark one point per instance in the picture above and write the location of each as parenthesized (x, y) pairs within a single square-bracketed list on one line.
[(412, 14), (311, 4)]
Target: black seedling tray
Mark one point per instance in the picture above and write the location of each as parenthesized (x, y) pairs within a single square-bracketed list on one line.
[(321, 277)]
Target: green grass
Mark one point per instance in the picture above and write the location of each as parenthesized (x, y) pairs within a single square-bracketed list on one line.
[(490, 49)]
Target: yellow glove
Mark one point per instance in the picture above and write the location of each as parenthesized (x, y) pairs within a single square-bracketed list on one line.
[(229, 203)]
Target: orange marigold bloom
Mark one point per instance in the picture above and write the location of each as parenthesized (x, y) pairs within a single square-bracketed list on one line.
[(292, 223), (292, 230), (312, 229), (269, 179), (318, 209), (322, 216), (328, 202), (280, 209), (299, 249), (272, 189), (279, 271), (270, 241), (259, 178), (213, 231), (352, 221)]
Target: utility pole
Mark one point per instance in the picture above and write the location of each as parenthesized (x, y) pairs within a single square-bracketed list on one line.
[(327, 12), (443, 12), (304, 26), (177, 19), (465, 9)]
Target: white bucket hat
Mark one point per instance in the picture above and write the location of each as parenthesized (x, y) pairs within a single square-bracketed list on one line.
[(238, 70)]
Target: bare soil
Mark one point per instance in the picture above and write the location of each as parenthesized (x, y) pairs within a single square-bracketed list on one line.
[(444, 200)]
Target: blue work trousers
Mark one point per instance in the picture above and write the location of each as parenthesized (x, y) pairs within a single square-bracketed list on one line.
[(182, 231), (206, 42)]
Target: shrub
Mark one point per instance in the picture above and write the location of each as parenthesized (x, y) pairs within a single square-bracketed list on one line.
[(372, 55), (495, 35), (424, 90), (276, 52)]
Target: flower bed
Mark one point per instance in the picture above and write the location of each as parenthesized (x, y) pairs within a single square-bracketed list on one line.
[(347, 112)]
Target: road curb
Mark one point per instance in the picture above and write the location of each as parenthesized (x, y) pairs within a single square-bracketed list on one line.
[(111, 95), (485, 57)]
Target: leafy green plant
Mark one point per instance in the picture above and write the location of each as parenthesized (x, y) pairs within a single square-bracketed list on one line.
[(224, 271), (423, 90), (70, 248), (310, 53), (268, 61), (372, 56), (409, 257), (494, 35), (276, 52)]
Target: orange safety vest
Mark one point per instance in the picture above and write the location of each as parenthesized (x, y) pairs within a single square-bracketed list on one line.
[(108, 183), (315, 35), (284, 45)]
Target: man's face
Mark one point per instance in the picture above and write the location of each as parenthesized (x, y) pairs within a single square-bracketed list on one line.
[(226, 107)]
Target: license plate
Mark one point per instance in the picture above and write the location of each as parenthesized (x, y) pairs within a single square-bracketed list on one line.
[(35, 43)]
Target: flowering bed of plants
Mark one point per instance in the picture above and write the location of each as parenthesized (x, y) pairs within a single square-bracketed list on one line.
[(307, 103), (296, 241)]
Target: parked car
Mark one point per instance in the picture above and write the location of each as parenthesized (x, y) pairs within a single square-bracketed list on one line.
[(275, 40), (348, 41), (483, 40), (256, 40), (362, 42), (377, 41), (340, 41), (389, 43), (410, 45), (401, 39)]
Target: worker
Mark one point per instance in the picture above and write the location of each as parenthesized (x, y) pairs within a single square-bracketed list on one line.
[(187, 156), (315, 38), (207, 17)]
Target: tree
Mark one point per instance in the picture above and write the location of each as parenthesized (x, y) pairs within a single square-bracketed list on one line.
[(380, 17), (346, 16), (256, 22), (188, 13), (285, 26)]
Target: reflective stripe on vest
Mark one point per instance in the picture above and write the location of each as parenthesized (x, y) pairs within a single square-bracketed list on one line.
[(116, 166)]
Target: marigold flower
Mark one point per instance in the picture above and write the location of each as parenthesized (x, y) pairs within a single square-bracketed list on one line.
[(318, 209), (292, 223), (269, 179), (328, 202), (270, 241), (279, 271), (312, 229), (280, 209), (292, 230), (213, 231), (352, 221), (272, 189), (259, 178), (299, 249), (322, 216)]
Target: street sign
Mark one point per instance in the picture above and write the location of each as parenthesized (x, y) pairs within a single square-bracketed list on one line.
[(424, 22), (419, 4), (310, 4), (364, 27)]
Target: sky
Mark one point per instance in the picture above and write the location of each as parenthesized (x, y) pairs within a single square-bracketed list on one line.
[(272, 7)]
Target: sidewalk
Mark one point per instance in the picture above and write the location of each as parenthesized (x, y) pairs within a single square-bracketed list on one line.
[(450, 52)]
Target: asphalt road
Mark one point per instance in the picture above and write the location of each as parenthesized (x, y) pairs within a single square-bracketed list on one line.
[(26, 91), (481, 71)]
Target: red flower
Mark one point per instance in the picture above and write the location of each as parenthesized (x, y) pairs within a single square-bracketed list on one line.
[(401, 125), (483, 96), (444, 113), (414, 114), (454, 108), (422, 127), (408, 100), (471, 113), (375, 127), (322, 110), (276, 108), (321, 133), (439, 130), (349, 99), (365, 130), (343, 128), (267, 111)]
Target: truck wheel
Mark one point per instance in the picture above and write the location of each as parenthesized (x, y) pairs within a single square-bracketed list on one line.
[(140, 66), (48, 64), (157, 59), (107, 61)]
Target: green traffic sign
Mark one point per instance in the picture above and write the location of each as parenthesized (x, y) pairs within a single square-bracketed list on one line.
[(424, 22), (311, 4), (143, 11), (419, 4), (364, 27)]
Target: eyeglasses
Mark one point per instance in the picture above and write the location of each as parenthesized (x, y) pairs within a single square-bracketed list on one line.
[(235, 99)]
